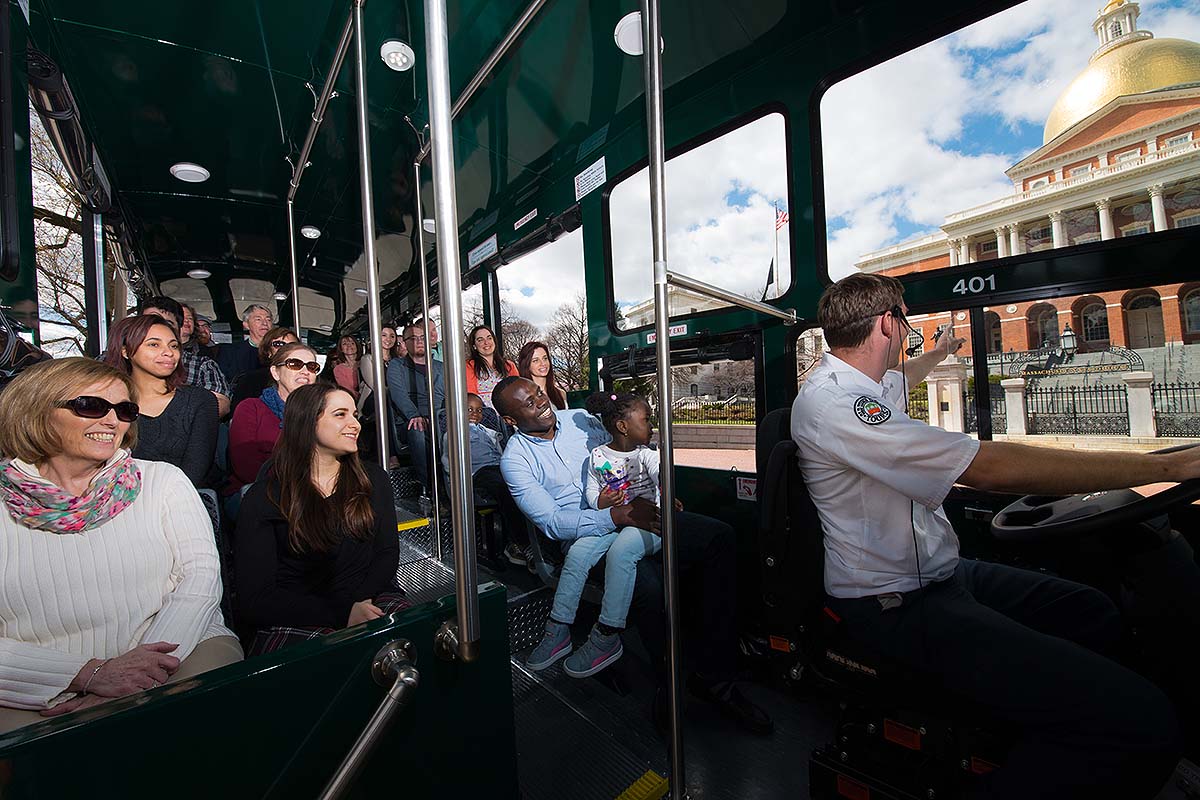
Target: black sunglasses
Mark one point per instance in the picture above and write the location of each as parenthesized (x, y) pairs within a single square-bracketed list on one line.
[(278, 343), (296, 365), (90, 407)]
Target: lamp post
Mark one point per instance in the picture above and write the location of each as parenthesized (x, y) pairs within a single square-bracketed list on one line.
[(1068, 340)]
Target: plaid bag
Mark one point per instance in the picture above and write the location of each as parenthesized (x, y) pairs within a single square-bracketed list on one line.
[(268, 640)]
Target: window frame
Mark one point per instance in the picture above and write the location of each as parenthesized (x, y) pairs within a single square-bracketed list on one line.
[(1178, 139), (1187, 318), (701, 139), (1083, 324)]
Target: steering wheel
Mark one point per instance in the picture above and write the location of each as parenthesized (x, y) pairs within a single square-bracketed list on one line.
[(1036, 517)]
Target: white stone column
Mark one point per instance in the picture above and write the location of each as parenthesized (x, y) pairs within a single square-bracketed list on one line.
[(1158, 208), (954, 252), (1104, 208), (1014, 405), (951, 378), (1001, 242), (934, 387), (1141, 404), (1016, 245), (1057, 229), (964, 251)]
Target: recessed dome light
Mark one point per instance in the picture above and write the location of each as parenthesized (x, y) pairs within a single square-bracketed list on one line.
[(310, 232), (199, 274), (397, 55), (360, 290), (429, 225), (279, 296), (189, 172)]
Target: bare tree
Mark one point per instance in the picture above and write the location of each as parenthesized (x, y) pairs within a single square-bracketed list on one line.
[(516, 332), (567, 336)]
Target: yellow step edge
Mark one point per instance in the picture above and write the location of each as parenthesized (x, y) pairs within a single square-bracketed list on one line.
[(412, 524), (651, 786)]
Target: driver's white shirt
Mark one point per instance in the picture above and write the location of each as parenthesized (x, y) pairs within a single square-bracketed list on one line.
[(877, 477)]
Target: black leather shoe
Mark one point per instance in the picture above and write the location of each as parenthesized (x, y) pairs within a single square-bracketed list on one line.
[(732, 704)]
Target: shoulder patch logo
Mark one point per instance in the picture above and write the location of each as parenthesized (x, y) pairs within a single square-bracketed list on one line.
[(871, 411)]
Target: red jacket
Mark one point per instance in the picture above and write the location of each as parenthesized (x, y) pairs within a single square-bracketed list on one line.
[(473, 382), (252, 434)]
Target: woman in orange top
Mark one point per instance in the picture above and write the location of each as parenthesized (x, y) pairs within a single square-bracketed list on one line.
[(483, 372)]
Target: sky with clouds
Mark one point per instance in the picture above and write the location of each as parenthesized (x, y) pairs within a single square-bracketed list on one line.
[(932, 131)]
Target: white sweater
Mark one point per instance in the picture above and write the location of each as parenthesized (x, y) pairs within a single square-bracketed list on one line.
[(151, 574)]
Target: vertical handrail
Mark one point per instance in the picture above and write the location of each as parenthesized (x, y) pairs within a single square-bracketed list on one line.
[(450, 290), (374, 313), (435, 446), (93, 283), (291, 219), (656, 148)]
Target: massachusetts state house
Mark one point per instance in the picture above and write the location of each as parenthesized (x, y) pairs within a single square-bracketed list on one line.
[(1120, 157)]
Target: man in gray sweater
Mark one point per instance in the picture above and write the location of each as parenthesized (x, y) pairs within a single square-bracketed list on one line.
[(408, 387)]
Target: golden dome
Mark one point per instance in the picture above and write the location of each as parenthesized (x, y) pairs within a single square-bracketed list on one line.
[(1143, 65), (1113, 4)]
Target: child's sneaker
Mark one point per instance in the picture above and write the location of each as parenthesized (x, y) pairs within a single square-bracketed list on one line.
[(597, 653), (555, 645)]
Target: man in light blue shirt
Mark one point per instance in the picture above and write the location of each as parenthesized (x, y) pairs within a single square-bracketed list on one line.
[(543, 465)]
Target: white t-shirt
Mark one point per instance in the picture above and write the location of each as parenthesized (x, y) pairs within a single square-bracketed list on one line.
[(878, 479), (638, 466)]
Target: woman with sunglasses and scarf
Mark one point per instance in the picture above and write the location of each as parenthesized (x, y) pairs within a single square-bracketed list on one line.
[(257, 422), (252, 383), (177, 423), (111, 583), (316, 538)]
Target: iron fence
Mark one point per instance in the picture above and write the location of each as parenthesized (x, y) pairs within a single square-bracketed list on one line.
[(694, 411), (1078, 410), (1177, 409), (918, 402), (995, 401)]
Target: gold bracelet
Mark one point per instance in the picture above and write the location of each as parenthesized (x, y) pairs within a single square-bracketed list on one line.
[(99, 666)]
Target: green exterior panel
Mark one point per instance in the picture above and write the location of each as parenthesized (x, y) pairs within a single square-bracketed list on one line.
[(278, 726)]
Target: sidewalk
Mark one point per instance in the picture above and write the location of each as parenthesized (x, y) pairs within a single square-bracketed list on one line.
[(740, 460)]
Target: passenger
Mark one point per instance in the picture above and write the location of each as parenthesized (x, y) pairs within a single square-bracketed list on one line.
[(177, 423), (204, 336), (486, 447), (1021, 645), (253, 383), (533, 362), (390, 346), (408, 387), (616, 474), (238, 358), (316, 540), (483, 372), (198, 368), (543, 466), (345, 364), (258, 421), (111, 579), (196, 334)]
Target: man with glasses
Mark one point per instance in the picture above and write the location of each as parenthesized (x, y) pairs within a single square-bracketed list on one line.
[(408, 387), (199, 369), (1023, 646)]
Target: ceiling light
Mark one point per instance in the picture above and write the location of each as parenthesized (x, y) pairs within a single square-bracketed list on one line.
[(429, 225), (310, 232), (397, 55), (190, 173), (279, 296), (199, 274), (360, 290), (628, 35)]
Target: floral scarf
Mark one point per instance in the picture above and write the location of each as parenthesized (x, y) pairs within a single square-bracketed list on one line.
[(36, 503)]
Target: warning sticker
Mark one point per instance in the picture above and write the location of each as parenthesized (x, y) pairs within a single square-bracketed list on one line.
[(590, 179), (531, 215), (747, 489), (483, 251)]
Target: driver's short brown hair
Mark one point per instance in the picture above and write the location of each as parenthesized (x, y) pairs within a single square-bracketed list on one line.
[(848, 308)]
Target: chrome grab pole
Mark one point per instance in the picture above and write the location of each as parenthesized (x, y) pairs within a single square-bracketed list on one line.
[(394, 666), (435, 445), (374, 314), (450, 291), (295, 272), (95, 312), (656, 149), (788, 315), (485, 70), (335, 66)]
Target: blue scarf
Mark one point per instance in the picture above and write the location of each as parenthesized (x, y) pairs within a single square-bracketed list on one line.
[(270, 396)]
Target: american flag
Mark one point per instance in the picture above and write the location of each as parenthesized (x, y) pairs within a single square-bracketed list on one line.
[(781, 218)]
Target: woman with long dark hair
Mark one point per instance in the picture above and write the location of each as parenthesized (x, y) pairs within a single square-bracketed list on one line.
[(484, 367), (345, 364), (316, 539), (176, 423), (533, 362)]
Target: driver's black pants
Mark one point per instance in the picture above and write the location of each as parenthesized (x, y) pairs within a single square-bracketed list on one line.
[(1022, 647)]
